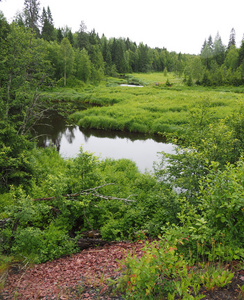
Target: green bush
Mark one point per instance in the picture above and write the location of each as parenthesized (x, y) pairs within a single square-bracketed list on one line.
[(41, 245), (159, 273), (222, 200)]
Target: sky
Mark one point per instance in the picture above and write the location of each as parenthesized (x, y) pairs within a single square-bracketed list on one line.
[(178, 25)]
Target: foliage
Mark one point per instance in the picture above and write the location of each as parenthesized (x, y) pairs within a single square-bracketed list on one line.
[(162, 272), (15, 164), (222, 200)]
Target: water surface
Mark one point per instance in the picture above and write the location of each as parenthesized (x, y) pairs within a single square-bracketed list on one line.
[(139, 148)]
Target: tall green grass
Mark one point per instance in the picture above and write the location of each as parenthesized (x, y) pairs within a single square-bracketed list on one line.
[(154, 109)]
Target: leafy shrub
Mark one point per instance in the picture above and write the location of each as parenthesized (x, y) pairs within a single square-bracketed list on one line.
[(42, 245), (222, 200), (156, 274)]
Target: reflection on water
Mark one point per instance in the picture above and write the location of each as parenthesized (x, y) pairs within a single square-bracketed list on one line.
[(105, 144)]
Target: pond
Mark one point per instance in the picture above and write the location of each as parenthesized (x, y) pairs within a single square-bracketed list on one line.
[(131, 85), (105, 144)]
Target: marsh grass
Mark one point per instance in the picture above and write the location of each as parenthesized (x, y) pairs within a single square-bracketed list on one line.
[(154, 109)]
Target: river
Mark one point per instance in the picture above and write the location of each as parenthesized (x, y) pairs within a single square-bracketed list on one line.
[(105, 144)]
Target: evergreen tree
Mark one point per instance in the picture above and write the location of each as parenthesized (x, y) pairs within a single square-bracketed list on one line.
[(143, 62), (232, 39), (218, 50), (210, 43), (47, 25), (59, 36), (70, 37), (93, 37), (203, 46), (4, 30), (82, 37), (241, 54), (31, 15), (106, 54)]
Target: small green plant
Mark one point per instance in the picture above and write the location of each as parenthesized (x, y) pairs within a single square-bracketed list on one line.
[(167, 83), (241, 294), (212, 278), (159, 272)]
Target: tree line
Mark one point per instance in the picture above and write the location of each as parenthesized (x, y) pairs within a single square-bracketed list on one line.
[(218, 64), (86, 56)]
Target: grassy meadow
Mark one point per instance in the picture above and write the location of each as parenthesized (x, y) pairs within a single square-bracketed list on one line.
[(155, 108)]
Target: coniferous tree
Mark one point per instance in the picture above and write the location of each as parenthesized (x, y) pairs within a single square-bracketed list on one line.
[(93, 37), (203, 46), (143, 62), (70, 37), (232, 39), (218, 50), (47, 25), (241, 54), (210, 43), (82, 37), (106, 55), (31, 15), (59, 36)]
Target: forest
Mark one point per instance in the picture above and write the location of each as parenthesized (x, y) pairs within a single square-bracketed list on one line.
[(188, 212)]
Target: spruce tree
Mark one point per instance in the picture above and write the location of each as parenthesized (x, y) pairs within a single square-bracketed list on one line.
[(241, 54), (70, 38), (82, 37), (210, 43), (59, 36), (232, 39), (47, 25), (31, 15)]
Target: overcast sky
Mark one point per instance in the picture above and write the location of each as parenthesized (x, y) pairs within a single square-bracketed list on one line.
[(178, 25)]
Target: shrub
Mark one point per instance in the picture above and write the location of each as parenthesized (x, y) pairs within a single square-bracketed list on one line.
[(159, 273), (222, 200)]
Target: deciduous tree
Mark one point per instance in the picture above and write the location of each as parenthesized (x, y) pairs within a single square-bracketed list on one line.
[(82, 65), (67, 58)]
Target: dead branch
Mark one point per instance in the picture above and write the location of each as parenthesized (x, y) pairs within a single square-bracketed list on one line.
[(88, 192)]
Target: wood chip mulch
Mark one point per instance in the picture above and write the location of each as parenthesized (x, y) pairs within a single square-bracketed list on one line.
[(83, 276)]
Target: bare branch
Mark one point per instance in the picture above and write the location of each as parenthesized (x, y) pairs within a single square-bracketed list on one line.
[(89, 192)]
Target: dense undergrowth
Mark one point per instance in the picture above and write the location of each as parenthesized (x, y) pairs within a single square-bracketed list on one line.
[(193, 202)]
